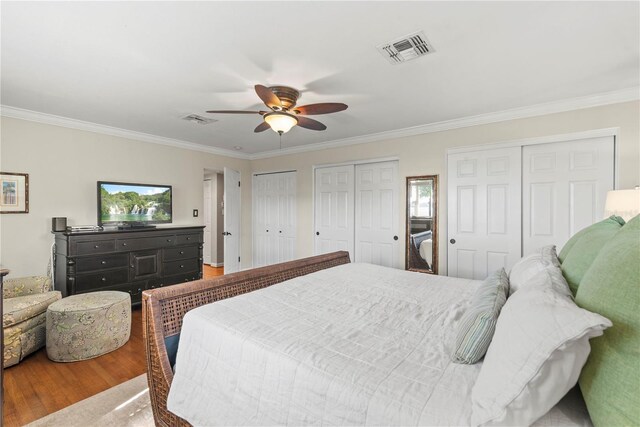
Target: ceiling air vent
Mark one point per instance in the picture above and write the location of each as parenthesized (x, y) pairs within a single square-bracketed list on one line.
[(194, 118), (406, 48)]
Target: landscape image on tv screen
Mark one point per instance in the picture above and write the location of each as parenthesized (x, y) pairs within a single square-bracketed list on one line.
[(134, 203)]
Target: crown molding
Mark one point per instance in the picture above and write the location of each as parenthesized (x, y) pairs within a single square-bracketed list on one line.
[(50, 119), (615, 97)]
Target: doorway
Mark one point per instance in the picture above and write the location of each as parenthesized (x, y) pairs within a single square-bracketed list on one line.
[(213, 196)]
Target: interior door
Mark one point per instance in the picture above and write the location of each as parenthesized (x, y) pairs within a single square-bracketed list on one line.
[(274, 231), (334, 209), (484, 211), (232, 217), (377, 238), (564, 188), (206, 211)]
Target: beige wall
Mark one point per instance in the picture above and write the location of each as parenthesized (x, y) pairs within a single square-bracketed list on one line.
[(63, 166), (426, 155)]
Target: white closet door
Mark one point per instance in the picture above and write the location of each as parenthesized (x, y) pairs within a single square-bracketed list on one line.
[(206, 211), (484, 211), (287, 200), (274, 218), (334, 209), (564, 189), (376, 213)]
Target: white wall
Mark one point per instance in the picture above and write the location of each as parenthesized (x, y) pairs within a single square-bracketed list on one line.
[(426, 155), (64, 165)]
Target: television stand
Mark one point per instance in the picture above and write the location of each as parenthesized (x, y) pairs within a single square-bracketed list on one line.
[(134, 225)]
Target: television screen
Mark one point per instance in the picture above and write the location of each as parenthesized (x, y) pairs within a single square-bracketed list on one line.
[(133, 203)]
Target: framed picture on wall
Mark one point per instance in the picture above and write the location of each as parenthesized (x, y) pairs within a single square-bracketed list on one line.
[(14, 192)]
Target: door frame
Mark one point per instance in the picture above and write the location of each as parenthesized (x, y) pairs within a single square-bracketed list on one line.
[(547, 139)]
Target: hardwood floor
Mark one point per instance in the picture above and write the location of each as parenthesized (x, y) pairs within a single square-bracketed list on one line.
[(37, 386)]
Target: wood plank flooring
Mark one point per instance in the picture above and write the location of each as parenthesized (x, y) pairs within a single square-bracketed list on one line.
[(37, 386)]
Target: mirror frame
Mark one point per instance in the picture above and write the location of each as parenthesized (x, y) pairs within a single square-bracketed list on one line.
[(434, 263)]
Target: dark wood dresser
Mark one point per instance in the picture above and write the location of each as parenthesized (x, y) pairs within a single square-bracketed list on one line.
[(129, 260)]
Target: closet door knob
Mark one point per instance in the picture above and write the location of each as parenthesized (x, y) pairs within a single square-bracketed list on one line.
[(395, 237), (317, 233), (452, 241)]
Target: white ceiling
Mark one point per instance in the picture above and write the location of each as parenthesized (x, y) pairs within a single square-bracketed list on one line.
[(141, 66)]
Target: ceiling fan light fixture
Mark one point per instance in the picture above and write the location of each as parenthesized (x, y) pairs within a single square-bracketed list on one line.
[(280, 122)]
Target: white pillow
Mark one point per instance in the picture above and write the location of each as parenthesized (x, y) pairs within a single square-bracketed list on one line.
[(531, 265), (538, 350)]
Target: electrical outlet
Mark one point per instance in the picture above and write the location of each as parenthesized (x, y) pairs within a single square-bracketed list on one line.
[(195, 213)]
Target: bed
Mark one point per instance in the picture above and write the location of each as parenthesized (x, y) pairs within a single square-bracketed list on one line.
[(267, 363)]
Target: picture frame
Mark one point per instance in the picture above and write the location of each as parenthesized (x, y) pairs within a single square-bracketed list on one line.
[(14, 193)]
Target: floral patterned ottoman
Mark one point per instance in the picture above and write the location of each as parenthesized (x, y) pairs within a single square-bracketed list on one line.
[(85, 326)]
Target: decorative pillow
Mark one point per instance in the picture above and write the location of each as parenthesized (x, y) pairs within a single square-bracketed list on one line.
[(578, 253), (610, 381), (539, 347), (479, 321), (531, 265)]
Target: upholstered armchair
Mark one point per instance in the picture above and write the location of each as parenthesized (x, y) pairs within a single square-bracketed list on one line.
[(25, 301)]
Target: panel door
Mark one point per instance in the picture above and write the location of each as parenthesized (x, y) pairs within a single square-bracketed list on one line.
[(377, 214), (334, 210), (274, 231), (206, 211), (260, 227), (287, 201), (565, 185), (484, 212), (232, 217)]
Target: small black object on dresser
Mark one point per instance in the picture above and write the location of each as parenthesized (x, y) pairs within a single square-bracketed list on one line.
[(127, 260)]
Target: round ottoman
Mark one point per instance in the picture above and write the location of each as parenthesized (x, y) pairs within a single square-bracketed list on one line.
[(85, 326)]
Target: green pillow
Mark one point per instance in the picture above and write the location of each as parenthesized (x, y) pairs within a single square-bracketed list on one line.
[(610, 380), (578, 253), (572, 241)]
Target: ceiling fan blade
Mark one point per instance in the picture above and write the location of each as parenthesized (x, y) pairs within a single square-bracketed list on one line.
[(323, 108), (235, 112), (268, 97), (262, 127), (308, 123)]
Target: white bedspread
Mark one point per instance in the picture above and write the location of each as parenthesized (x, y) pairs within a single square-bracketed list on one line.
[(353, 345)]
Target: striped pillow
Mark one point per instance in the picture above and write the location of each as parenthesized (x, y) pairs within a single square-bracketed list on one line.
[(479, 321)]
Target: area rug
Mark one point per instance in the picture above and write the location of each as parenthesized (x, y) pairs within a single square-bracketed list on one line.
[(126, 404)]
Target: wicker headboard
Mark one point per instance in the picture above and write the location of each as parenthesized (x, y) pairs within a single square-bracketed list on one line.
[(163, 310)]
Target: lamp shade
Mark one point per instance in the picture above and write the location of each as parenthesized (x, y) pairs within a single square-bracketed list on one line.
[(624, 203), (280, 122)]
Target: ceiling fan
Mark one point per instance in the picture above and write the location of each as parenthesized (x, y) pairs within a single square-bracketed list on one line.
[(284, 114)]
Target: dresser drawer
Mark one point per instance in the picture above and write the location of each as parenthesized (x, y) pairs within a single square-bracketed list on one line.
[(183, 252), (179, 267), (95, 247), (101, 262), (98, 280), (136, 244), (183, 239)]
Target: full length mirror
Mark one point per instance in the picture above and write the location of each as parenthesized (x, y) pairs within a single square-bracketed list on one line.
[(422, 224)]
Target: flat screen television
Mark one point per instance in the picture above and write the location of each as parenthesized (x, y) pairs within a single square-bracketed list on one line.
[(127, 204)]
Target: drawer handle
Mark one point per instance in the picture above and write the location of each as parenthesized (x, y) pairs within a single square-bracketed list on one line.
[(104, 279), (124, 244), (188, 238), (181, 266), (168, 240), (96, 246), (181, 252), (132, 294), (103, 262)]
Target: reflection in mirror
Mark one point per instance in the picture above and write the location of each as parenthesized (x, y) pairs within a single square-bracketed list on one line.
[(422, 224)]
